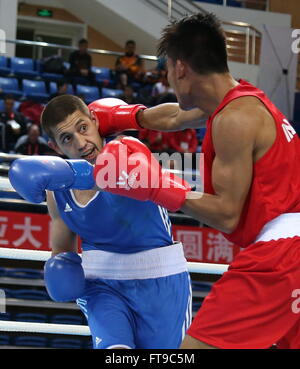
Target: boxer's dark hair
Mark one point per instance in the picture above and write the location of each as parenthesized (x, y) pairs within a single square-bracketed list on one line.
[(198, 40), (58, 109)]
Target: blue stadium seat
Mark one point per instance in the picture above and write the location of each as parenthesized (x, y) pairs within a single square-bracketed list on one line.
[(31, 317), (27, 294), (10, 86), (35, 90), (235, 3), (4, 69), (196, 305), (90, 93), (30, 341), (201, 286), (23, 67), (5, 316), (67, 319), (67, 65), (53, 88), (200, 133), (110, 92), (66, 343), (4, 340), (25, 273), (47, 76), (103, 75)]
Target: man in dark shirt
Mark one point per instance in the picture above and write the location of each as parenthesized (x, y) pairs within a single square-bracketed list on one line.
[(81, 62), (13, 124), (33, 143)]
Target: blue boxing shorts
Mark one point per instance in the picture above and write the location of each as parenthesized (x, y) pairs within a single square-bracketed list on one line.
[(144, 304)]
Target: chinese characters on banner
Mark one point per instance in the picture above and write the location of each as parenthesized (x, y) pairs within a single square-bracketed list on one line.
[(31, 231), (24, 230), (205, 245)]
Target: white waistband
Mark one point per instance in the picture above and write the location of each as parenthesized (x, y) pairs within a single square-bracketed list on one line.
[(154, 263), (284, 226)]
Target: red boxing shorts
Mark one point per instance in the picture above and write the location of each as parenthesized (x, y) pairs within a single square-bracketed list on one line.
[(256, 303)]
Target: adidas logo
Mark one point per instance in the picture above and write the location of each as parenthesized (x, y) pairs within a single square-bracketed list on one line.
[(127, 181), (68, 208), (98, 341)]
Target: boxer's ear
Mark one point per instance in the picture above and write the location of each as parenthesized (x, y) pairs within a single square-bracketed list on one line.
[(180, 69), (54, 147), (94, 118)]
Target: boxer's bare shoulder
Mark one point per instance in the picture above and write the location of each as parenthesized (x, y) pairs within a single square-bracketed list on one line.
[(250, 116)]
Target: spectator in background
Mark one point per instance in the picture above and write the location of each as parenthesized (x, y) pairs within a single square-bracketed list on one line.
[(183, 141), (161, 91), (129, 67), (81, 63), (62, 89), (54, 63), (155, 140), (32, 110), (33, 143), (14, 124), (128, 96)]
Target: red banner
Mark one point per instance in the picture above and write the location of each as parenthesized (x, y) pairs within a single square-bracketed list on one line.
[(24, 230), (31, 231), (205, 245)]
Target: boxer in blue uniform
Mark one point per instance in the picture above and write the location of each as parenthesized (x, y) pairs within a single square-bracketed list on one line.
[(132, 282)]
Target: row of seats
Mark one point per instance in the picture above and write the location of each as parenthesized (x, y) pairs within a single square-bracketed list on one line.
[(234, 3), (37, 341), (27, 273), (30, 68), (45, 318), (39, 91)]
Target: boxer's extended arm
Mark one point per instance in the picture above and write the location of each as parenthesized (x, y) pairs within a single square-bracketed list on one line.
[(169, 117), (63, 272), (234, 136), (61, 237)]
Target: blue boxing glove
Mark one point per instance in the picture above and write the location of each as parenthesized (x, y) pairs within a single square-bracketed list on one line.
[(64, 277), (31, 176)]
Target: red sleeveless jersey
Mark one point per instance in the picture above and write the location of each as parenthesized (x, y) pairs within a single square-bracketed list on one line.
[(275, 187)]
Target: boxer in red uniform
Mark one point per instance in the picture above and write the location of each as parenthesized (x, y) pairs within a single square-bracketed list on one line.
[(252, 192)]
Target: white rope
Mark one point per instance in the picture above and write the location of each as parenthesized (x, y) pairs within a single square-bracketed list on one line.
[(5, 253), (76, 330)]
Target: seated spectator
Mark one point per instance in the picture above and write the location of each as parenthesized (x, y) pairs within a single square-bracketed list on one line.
[(129, 67), (54, 63), (14, 124), (155, 140), (161, 91), (62, 89), (33, 143), (183, 141), (128, 96), (81, 63), (32, 110)]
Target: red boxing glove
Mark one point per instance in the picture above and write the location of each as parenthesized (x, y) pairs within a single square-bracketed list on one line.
[(128, 168), (115, 115)]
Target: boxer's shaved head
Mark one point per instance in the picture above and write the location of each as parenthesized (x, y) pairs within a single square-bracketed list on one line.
[(198, 40), (58, 109)]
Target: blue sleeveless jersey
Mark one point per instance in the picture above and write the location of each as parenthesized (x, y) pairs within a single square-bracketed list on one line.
[(115, 223)]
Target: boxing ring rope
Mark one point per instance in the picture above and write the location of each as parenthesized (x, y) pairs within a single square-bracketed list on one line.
[(205, 268), (75, 330), (68, 329)]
